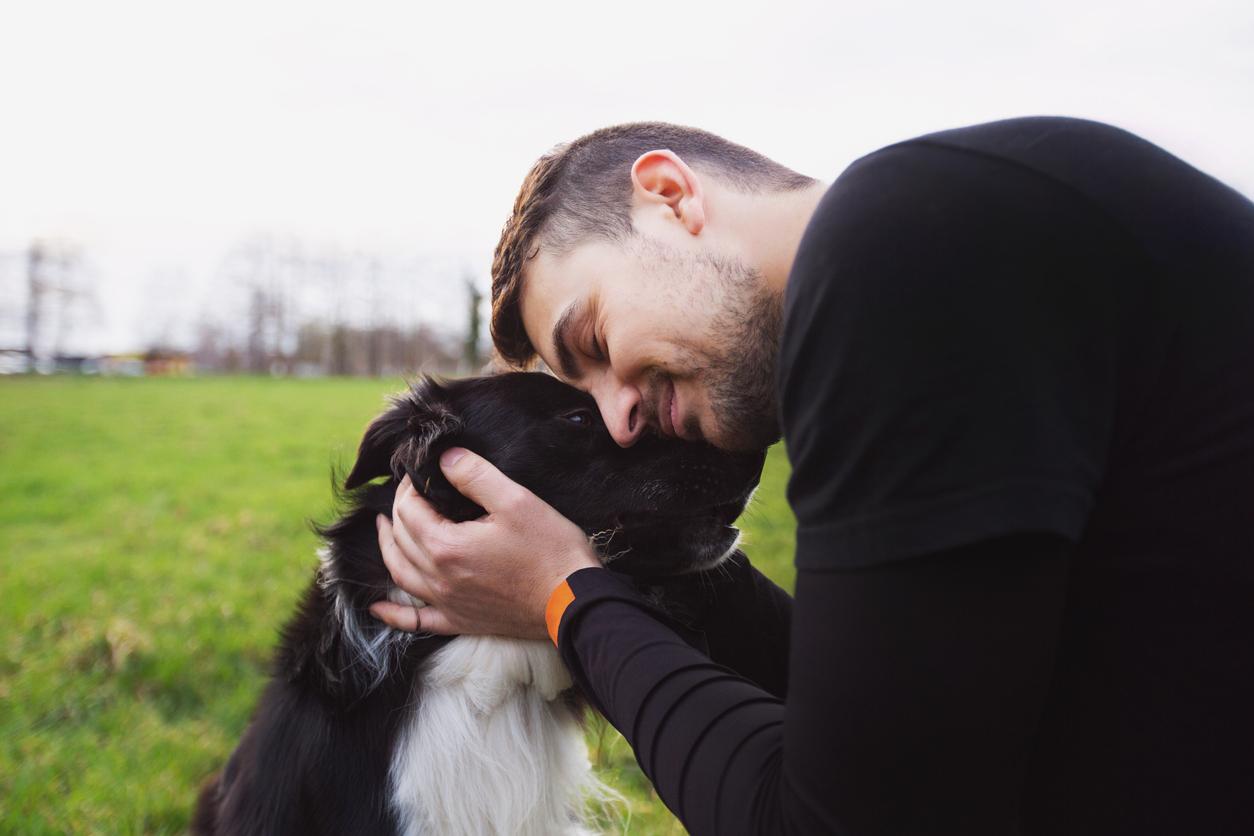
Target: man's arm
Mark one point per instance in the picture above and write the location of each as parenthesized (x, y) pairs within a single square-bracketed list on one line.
[(748, 625), (914, 693), (735, 615), (907, 677)]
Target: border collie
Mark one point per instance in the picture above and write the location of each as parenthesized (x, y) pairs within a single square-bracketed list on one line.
[(365, 729)]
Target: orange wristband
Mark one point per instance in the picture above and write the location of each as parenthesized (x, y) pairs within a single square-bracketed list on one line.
[(559, 600)]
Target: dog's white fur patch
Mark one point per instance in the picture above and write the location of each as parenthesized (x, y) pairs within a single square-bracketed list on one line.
[(492, 748), (490, 745)]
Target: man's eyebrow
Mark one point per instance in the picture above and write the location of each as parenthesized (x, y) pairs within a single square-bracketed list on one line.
[(561, 340)]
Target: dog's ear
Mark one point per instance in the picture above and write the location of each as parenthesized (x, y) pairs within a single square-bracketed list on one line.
[(374, 455), (402, 439)]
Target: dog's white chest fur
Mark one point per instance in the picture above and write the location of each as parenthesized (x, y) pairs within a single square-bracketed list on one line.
[(491, 747)]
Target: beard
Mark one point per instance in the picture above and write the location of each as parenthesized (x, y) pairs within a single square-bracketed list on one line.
[(739, 370), (736, 364)]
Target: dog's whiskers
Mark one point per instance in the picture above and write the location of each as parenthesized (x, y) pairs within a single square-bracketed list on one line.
[(610, 558), (602, 538)]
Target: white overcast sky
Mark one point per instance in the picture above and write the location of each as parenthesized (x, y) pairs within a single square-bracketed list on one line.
[(158, 135)]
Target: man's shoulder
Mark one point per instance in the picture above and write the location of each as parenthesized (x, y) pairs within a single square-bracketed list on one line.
[(1161, 200), (1024, 138), (1032, 143), (966, 171), (893, 204), (1062, 147), (935, 261), (937, 306)]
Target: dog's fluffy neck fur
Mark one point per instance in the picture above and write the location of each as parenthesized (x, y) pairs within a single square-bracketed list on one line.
[(493, 746), (491, 741)]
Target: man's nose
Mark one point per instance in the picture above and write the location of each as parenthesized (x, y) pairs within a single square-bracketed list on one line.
[(620, 409)]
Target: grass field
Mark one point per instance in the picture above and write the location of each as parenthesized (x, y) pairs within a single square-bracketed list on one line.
[(153, 537)]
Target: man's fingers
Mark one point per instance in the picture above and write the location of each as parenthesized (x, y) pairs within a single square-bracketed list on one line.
[(402, 538), (399, 564), (411, 620), (414, 511), (400, 616), (404, 486), (432, 621), (477, 479)]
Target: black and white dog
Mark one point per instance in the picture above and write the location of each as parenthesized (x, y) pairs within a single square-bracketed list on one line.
[(364, 729)]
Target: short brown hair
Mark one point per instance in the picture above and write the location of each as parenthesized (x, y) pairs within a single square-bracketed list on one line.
[(582, 189)]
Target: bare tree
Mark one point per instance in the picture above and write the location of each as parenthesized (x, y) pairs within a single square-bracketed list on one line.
[(375, 300), (34, 294), (59, 293), (297, 310), (471, 359), (269, 276)]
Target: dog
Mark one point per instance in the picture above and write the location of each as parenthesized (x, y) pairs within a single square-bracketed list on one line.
[(366, 729)]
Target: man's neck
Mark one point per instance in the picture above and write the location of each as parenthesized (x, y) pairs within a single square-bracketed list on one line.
[(769, 227), (794, 218)]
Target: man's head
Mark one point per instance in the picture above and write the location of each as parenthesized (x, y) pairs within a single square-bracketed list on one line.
[(637, 265)]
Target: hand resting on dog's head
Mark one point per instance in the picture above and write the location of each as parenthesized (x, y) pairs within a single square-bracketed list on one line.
[(544, 490)]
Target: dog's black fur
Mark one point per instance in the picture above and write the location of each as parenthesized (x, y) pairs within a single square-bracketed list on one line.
[(316, 755)]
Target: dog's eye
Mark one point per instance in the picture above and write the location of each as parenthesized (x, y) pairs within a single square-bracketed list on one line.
[(580, 417)]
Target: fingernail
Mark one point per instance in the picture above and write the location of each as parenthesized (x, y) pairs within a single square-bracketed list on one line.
[(451, 455)]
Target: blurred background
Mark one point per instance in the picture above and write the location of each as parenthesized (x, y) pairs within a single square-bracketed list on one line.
[(315, 188), (227, 230)]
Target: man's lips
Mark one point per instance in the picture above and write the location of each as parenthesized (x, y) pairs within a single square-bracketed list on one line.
[(669, 415), (666, 405), (677, 423)]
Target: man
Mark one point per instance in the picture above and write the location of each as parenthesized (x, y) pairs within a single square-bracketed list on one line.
[(1014, 367)]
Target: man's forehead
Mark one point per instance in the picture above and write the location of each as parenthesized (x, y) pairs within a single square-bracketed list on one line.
[(551, 285), (541, 300)]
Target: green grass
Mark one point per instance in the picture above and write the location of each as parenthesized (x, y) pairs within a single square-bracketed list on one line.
[(153, 538)]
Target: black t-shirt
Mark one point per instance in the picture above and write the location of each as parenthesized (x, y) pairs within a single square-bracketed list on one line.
[(1048, 325), (1017, 389)]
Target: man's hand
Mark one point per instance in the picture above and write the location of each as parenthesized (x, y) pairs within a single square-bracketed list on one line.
[(490, 575)]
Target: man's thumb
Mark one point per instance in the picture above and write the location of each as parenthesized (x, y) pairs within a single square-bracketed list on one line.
[(475, 477)]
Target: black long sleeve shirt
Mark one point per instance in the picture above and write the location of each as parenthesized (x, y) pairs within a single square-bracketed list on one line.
[(1016, 383)]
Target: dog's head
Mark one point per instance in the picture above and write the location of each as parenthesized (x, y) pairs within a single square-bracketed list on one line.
[(657, 508)]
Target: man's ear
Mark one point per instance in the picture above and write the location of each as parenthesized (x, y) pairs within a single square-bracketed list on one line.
[(660, 179), (404, 438)]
